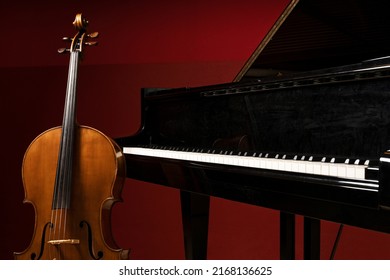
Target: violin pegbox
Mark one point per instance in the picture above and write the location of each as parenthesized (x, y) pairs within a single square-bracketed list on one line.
[(80, 39)]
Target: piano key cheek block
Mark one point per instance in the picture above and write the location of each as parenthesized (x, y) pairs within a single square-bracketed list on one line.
[(384, 181)]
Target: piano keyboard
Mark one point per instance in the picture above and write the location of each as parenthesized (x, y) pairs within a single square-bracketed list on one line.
[(348, 169)]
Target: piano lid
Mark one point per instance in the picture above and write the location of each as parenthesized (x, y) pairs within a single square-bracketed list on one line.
[(317, 34)]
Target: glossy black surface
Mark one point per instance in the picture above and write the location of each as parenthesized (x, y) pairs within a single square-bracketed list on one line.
[(312, 114)]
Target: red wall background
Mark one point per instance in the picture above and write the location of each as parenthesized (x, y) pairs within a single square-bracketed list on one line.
[(146, 43)]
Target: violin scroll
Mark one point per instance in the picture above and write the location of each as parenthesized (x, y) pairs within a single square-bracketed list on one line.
[(80, 22), (79, 40)]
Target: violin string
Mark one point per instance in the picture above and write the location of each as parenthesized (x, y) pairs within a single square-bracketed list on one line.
[(66, 160), (55, 218)]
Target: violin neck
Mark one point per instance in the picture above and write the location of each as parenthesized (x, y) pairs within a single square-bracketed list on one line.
[(69, 118), (63, 181)]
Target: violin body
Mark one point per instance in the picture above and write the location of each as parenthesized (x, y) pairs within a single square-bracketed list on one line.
[(97, 180), (72, 175)]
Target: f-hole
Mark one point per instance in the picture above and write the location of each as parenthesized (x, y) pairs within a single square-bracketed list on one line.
[(90, 249), (34, 255)]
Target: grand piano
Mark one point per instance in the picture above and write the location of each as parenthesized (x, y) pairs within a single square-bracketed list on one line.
[(304, 128)]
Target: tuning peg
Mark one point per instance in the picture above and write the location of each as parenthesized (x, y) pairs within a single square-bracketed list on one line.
[(93, 35), (67, 39), (63, 50), (94, 43)]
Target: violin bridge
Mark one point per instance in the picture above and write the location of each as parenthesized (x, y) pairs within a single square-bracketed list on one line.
[(64, 241)]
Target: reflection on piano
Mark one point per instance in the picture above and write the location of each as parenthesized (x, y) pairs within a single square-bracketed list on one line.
[(306, 141)]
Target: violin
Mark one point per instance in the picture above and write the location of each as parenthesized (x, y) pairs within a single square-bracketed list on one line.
[(72, 175)]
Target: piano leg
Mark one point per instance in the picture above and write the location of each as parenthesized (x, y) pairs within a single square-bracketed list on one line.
[(287, 236), (195, 217), (311, 238)]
